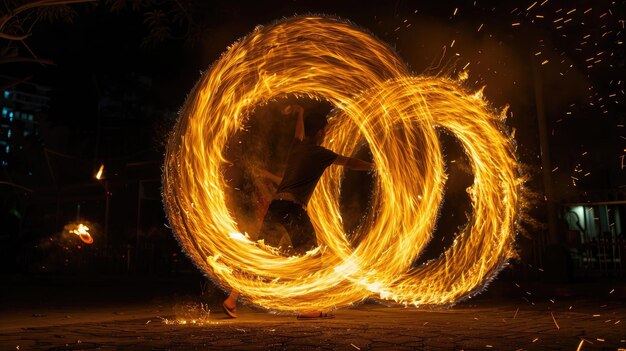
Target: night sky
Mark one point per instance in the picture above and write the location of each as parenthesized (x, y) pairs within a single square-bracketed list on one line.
[(576, 48)]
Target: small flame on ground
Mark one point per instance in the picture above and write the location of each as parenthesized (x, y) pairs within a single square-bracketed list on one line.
[(83, 233)]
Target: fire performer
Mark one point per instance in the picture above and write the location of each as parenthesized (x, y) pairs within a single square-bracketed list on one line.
[(306, 162)]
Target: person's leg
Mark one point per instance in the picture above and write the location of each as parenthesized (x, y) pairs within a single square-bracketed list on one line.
[(303, 238), (269, 233), (300, 229), (231, 300), (272, 228)]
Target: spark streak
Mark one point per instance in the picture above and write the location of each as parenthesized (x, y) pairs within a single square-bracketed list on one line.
[(554, 320)]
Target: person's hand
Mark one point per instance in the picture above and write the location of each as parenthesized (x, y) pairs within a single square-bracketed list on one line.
[(287, 110), (291, 109)]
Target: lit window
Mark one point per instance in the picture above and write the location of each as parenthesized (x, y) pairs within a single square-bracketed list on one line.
[(7, 94), (30, 117), (5, 111)]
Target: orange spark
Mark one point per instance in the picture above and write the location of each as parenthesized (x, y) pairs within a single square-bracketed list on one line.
[(554, 320)]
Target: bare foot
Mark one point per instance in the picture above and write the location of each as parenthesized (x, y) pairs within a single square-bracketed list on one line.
[(230, 308)]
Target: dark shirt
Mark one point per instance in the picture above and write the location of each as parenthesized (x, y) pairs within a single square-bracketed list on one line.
[(305, 164)]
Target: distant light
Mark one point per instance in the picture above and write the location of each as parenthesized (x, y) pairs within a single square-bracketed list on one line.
[(7, 149), (5, 111), (83, 233), (99, 174), (7, 94), (9, 134)]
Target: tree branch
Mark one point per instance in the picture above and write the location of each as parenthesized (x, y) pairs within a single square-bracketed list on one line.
[(13, 37), (17, 186), (5, 60), (35, 4), (28, 48), (14, 83)]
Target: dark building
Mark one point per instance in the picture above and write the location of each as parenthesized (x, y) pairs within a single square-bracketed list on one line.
[(23, 105)]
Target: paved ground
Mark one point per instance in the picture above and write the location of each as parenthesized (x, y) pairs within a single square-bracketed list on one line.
[(483, 324)]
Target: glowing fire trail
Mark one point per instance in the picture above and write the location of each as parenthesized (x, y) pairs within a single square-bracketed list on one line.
[(379, 103)]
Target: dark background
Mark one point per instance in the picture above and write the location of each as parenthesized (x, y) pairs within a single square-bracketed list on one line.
[(118, 72)]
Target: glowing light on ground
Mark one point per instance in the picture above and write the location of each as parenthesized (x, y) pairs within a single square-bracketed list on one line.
[(379, 103), (190, 314), (83, 233)]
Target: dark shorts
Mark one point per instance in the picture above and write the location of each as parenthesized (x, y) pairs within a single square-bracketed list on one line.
[(287, 216)]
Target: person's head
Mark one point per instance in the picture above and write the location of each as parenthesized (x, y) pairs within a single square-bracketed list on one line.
[(315, 127)]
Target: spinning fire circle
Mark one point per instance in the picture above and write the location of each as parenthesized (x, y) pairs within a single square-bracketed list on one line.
[(378, 102)]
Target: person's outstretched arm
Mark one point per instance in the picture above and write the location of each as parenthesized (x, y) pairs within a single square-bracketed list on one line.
[(353, 163), (299, 110), (269, 175)]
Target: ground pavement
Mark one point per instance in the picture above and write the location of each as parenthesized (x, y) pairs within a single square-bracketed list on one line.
[(479, 324)]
